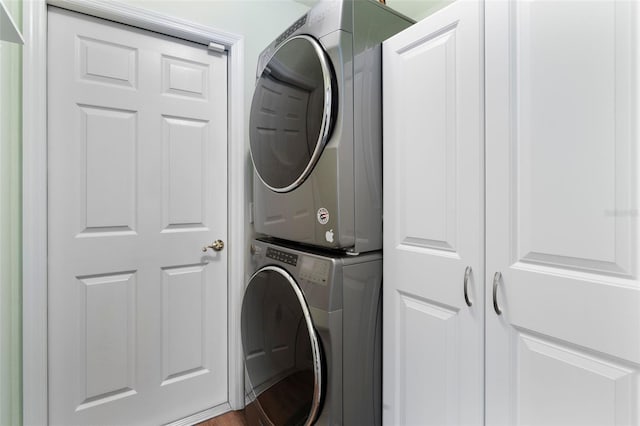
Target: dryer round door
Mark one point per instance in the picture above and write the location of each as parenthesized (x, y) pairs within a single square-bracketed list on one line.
[(282, 354), (292, 113)]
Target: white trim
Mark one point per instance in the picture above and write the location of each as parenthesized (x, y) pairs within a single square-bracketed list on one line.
[(35, 404), (236, 208), (34, 214), (149, 20)]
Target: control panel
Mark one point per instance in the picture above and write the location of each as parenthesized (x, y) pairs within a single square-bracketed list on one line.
[(282, 256), (292, 29), (315, 270)]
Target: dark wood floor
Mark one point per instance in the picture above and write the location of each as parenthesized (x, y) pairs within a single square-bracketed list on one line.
[(286, 403), (232, 418)]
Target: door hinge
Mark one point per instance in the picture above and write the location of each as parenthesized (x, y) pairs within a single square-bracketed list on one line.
[(216, 47)]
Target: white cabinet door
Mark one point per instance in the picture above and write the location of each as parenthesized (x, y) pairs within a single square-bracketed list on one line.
[(433, 209), (137, 186), (562, 87)]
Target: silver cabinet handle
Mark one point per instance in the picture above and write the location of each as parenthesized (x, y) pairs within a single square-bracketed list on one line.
[(467, 272), (496, 280)]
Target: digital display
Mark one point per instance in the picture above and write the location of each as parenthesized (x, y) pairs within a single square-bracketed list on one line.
[(315, 270)]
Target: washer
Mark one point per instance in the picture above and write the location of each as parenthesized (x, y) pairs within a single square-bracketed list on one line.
[(315, 127), (311, 335)]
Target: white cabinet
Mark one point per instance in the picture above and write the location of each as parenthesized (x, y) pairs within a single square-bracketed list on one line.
[(433, 341), (529, 175), (562, 213)]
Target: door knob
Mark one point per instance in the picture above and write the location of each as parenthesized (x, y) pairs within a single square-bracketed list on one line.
[(217, 245)]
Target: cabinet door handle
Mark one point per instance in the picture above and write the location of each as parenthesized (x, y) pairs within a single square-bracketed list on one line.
[(467, 272), (496, 280)]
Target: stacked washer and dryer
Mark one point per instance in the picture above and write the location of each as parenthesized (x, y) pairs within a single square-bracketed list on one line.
[(311, 313)]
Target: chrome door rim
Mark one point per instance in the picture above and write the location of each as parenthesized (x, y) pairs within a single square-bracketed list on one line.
[(325, 126), (313, 337)]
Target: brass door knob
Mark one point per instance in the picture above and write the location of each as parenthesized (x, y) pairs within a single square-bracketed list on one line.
[(217, 245)]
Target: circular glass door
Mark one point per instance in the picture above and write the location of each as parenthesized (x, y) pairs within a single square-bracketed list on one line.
[(292, 113), (281, 350)]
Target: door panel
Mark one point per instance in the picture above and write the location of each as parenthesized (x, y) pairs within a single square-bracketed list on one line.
[(184, 322), (184, 149), (137, 312), (183, 77), (594, 390), (420, 320), (562, 213), (429, 169), (108, 171), (108, 63), (433, 209), (107, 338), (584, 104)]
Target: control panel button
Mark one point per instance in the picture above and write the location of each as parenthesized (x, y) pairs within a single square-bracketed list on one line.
[(282, 256)]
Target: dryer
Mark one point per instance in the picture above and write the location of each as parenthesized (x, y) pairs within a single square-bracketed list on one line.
[(315, 127), (311, 335)]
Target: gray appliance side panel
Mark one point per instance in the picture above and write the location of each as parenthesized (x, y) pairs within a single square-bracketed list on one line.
[(373, 23), (337, 182), (367, 122), (362, 284)]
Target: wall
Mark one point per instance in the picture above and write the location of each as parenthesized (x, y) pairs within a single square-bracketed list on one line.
[(417, 9), (11, 225)]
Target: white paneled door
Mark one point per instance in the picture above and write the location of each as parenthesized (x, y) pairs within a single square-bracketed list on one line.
[(562, 96), (137, 141), (434, 221)]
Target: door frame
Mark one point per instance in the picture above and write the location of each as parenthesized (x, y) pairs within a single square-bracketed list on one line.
[(34, 189)]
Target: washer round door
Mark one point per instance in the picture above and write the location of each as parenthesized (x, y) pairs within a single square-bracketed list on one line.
[(282, 354), (292, 113)]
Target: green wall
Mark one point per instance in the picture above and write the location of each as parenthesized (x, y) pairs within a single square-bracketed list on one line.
[(11, 226), (417, 9)]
